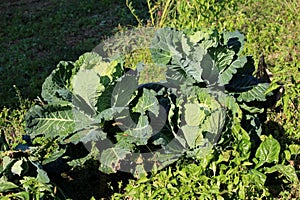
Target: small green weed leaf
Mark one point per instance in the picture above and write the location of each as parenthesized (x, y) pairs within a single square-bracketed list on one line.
[(17, 167), (273, 86), (251, 109), (24, 195), (3, 143), (258, 177), (6, 186), (288, 155), (295, 149), (57, 154), (42, 176), (140, 171), (245, 148), (267, 152), (7, 162), (287, 170)]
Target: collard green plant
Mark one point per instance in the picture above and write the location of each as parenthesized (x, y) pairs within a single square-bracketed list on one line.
[(22, 178), (207, 90)]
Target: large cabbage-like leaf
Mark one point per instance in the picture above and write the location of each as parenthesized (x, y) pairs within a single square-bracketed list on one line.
[(164, 45), (257, 92), (86, 90), (56, 88), (227, 73), (53, 121), (111, 159), (234, 40), (147, 102)]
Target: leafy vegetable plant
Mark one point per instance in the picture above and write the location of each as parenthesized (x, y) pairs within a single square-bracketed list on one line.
[(22, 177), (207, 92)]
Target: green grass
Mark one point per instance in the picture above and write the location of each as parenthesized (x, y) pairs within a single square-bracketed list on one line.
[(36, 35)]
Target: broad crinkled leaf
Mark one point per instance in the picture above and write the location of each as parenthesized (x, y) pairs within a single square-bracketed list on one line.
[(57, 86), (210, 71), (193, 135), (124, 91), (193, 65), (206, 39), (148, 102), (87, 86), (141, 133), (112, 113), (257, 92), (230, 103), (222, 56), (163, 159), (164, 44), (226, 74), (213, 125), (87, 135), (111, 159), (193, 114), (234, 40), (93, 61), (248, 88), (58, 153), (55, 121)]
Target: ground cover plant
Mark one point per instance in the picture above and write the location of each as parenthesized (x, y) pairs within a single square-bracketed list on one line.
[(255, 155)]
